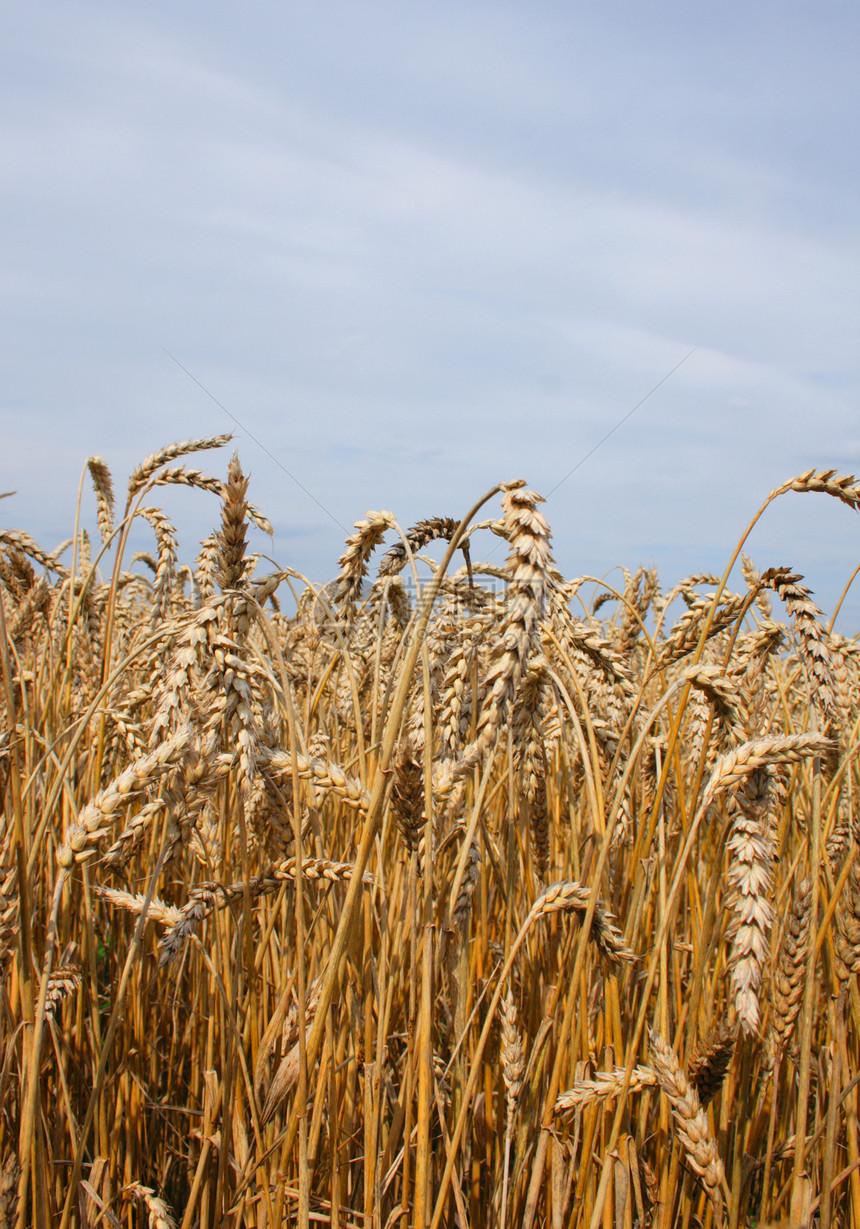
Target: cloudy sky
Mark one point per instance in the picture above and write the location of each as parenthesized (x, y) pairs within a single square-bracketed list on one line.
[(418, 248)]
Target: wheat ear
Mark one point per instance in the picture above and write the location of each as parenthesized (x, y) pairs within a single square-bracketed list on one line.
[(847, 935), (103, 485), (157, 1211), (207, 897), (711, 1060), (842, 488), (418, 536), (732, 768), (605, 1086), (93, 822), (354, 560), (232, 564), (147, 469), (791, 967), (750, 860), (690, 1121), (813, 642), (572, 897)]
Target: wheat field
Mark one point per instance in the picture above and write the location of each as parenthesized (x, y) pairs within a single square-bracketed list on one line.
[(449, 893)]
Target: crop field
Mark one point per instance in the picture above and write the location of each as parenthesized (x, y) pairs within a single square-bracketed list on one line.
[(450, 893)]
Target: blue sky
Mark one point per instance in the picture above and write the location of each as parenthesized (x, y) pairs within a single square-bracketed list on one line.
[(419, 248)]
